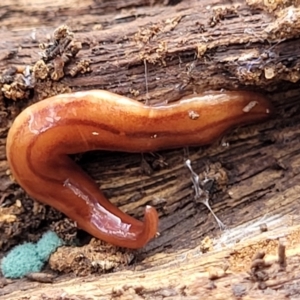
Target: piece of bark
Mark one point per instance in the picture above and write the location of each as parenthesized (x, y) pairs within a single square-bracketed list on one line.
[(159, 54)]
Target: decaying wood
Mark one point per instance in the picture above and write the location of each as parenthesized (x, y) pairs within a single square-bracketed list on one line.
[(188, 274), (159, 51)]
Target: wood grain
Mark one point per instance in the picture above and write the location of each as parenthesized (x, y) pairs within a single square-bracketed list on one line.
[(255, 168)]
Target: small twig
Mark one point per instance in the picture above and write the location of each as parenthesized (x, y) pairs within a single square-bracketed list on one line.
[(202, 194)]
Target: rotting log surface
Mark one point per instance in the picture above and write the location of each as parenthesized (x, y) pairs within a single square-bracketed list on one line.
[(160, 53)]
